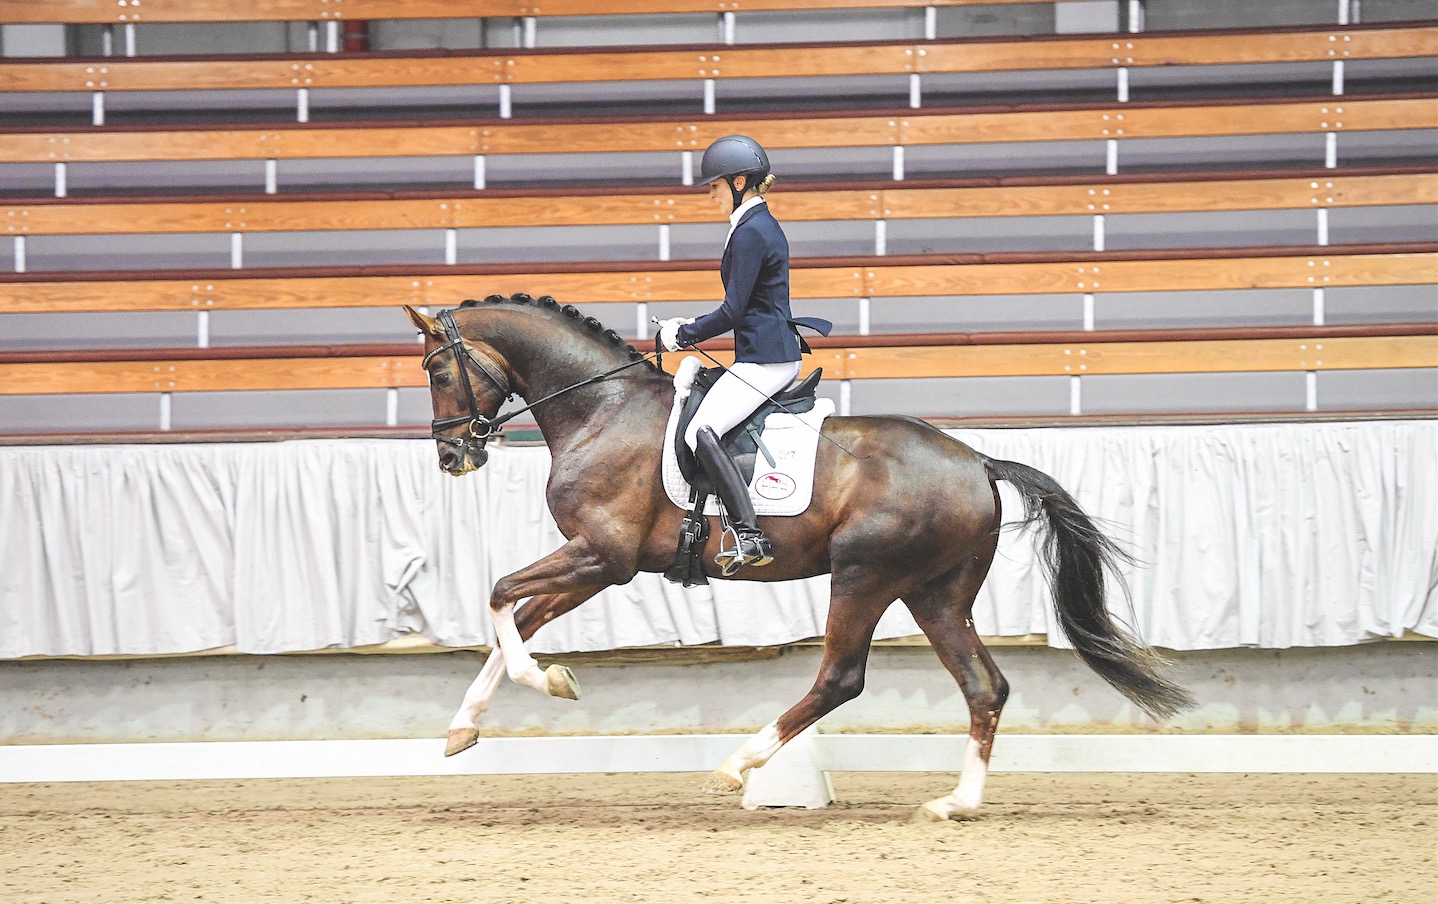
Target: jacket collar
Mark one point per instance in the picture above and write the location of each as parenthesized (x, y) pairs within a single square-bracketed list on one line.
[(743, 212)]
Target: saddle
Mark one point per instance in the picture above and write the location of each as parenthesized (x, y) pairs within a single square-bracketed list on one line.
[(745, 441), (744, 444)]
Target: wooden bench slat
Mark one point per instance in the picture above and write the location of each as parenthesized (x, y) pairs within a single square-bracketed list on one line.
[(1118, 122), (898, 202), (1156, 197), (210, 375), (107, 11), (1224, 356), (869, 277), (861, 363), (711, 62), (910, 128), (1152, 275)]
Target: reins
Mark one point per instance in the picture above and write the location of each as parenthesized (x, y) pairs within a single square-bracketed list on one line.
[(481, 427)]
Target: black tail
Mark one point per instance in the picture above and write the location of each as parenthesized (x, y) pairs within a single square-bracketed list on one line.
[(1075, 555)]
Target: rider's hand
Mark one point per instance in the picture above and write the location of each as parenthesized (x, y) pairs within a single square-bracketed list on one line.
[(669, 332)]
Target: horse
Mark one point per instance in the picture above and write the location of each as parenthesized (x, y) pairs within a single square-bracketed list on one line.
[(900, 511)]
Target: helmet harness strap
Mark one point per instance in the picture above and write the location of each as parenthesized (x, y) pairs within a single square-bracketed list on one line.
[(736, 193)]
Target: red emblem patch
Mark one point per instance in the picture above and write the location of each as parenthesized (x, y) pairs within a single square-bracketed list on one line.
[(775, 486)]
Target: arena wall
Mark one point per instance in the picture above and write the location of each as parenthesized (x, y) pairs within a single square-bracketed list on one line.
[(1378, 688)]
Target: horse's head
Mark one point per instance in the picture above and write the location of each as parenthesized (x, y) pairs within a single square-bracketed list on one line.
[(468, 382)]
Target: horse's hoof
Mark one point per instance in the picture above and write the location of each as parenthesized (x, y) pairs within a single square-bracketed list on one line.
[(460, 740), (561, 682), (720, 782), (931, 812)]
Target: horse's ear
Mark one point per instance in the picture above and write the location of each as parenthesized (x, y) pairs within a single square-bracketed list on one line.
[(427, 325)]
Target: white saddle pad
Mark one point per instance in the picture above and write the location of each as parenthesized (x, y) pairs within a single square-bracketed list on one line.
[(785, 489)]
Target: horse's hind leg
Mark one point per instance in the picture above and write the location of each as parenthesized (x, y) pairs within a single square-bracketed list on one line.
[(852, 619), (529, 618), (945, 613)]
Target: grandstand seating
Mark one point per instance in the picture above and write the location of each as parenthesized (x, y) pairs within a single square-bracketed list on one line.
[(913, 199), (833, 193), (641, 64), (108, 11)]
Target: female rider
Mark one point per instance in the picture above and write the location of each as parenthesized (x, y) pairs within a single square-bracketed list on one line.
[(755, 273)]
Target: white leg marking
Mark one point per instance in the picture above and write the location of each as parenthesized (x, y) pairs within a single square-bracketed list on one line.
[(481, 692), (970, 792), (755, 752), (965, 799), (518, 663)]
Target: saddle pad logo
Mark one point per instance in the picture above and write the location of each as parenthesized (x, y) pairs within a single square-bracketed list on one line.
[(775, 486)]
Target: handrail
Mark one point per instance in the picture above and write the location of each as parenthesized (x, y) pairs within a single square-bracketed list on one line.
[(909, 199), (717, 61), (780, 130)]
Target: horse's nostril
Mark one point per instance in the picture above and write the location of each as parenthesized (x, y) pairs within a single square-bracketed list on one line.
[(448, 460)]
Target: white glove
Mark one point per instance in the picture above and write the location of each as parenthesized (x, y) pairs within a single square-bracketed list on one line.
[(669, 332)]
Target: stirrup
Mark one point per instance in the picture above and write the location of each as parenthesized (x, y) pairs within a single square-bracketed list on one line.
[(739, 548)]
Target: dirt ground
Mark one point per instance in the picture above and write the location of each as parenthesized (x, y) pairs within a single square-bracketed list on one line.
[(1044, 839)]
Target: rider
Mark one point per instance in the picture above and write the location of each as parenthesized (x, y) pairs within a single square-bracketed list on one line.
[(755, 273)]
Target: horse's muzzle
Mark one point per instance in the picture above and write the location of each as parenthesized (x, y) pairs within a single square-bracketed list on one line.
[(463, 461)]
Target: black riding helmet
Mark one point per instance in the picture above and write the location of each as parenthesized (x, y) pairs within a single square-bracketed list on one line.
[(734, 155)]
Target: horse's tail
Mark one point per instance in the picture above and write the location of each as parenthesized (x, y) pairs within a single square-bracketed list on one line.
[(1075, 554)]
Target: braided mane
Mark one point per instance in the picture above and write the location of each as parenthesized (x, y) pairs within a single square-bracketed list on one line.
[(590, 324)]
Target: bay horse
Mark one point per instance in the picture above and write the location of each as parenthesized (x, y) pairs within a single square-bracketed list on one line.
[(900, 511)]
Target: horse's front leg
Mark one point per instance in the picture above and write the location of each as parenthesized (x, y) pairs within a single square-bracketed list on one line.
[(574, 568), (464, 728)]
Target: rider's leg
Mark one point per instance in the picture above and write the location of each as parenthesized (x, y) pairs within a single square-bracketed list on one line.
[(734, 397), (751, 547), (740, 390)]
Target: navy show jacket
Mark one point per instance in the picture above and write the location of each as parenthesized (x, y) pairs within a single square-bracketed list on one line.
[(755, 273)]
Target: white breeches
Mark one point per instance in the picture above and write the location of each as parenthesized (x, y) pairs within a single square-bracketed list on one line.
[(743, 388)]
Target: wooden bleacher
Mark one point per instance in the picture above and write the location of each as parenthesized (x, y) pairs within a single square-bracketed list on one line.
[(896, 276), (510, 66), (109, 11), (885, 280), (910, 356), (911, 199), (778, 131)]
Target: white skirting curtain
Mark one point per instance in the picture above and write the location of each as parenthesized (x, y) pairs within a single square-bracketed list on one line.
[(1268, 535)]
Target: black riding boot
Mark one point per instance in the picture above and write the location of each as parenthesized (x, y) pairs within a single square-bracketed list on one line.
[(751, 546)]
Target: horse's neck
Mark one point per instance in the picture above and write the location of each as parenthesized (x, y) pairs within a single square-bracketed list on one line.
[(625, 397)]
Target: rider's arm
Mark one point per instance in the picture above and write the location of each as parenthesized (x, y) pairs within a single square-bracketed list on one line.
[(747, 250)]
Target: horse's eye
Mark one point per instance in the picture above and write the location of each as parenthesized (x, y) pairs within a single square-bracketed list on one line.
[(441, 379)]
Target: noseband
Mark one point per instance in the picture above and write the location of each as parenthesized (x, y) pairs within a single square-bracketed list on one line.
[(481, 427)]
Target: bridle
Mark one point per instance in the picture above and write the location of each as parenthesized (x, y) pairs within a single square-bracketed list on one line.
[(482, 427)]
